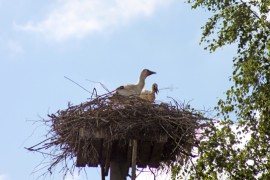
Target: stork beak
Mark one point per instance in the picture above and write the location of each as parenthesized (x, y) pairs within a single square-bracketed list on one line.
[(151, 72), (156, 90)]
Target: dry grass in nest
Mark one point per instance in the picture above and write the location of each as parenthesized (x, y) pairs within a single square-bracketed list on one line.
[(120, 119)]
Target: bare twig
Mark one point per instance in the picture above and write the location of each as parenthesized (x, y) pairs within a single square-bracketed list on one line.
[(102, 85), (78, 84)]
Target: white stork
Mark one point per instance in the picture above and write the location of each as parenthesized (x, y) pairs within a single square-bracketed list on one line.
[(150, 95), (135, 89)]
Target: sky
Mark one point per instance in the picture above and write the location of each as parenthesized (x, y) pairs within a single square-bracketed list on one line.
[(108, 41)]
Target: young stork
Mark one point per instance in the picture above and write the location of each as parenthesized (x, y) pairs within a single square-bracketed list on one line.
[(150, 95), (135, 89)]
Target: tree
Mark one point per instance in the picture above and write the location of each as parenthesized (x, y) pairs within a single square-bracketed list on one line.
[(244, 23)]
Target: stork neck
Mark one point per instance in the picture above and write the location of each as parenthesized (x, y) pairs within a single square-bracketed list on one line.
[(141, 82)]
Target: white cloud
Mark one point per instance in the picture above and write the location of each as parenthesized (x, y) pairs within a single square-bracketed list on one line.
[(73, 18)]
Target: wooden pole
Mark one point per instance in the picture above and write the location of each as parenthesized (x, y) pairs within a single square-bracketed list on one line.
[(118, 169), (118, 163), (134, 157), (102, 173)]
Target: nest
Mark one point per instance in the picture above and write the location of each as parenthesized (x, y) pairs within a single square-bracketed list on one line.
[(119, 119)]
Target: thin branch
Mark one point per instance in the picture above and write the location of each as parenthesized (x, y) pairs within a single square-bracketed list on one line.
[(102, 85), (78, 85)]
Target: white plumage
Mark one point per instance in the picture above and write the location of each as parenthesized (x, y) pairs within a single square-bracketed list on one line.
[(150, 95), (135, 89)]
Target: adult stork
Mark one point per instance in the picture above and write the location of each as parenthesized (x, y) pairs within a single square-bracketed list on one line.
[(135, 89)]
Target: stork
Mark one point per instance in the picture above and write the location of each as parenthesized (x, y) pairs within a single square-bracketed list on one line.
[(150, 95), (135, 89)]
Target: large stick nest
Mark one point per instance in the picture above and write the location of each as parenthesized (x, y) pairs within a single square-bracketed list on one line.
[(122, 119)]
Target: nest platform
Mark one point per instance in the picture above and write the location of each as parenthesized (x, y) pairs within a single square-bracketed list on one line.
[(105, 128)]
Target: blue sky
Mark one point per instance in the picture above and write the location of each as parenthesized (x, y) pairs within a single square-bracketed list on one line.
[(99, 40)]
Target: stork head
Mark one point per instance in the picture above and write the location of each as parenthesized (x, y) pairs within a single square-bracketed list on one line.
[(155, 88), (147, 72)]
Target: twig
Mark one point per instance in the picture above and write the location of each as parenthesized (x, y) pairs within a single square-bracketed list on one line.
[(104, 87), (78, 85)]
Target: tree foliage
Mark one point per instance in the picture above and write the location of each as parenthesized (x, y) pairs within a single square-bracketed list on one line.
[(246, 24)]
